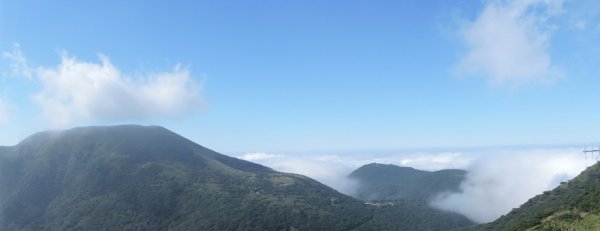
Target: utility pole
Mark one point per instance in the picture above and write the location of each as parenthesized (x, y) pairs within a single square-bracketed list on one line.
[(595, 152)]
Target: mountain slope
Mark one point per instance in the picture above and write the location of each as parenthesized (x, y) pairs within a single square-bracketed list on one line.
[(405, 214), (389, 182), (574, 205), (401, 194), (148, 178)]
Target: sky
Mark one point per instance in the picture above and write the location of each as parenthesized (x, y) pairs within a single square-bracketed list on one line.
[(322, 87), (255, 76)]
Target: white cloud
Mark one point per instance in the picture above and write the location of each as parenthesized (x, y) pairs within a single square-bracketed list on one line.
[(18, 62), (258, 156), (508, 43), (498, 179), (505, 180), (333, 170), (433, 162), (76, 90)]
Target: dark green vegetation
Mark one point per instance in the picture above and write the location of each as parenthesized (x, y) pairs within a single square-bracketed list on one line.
[(401, 194), (574, 205), (407, 214), (390, 182), (148, 178)]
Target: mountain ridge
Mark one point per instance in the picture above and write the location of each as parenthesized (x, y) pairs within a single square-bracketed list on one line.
[(389, 182), (140, 177)]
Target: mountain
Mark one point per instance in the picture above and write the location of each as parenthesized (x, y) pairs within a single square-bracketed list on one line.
[(148, 178), (401, 195), (390, 182), (573, 205)]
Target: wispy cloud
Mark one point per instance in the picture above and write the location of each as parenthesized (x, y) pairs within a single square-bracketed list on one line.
[(76, 90), (504, 180), (18, 62), (583, 16), (508, 43)]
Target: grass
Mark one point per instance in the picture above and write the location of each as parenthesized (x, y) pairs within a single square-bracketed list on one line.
[(569, 220)]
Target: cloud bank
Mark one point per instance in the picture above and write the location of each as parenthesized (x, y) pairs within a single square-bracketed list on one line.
[(496, 184), (498, 180), (77, 90), (333, 170), (329, 170), (508, 43)]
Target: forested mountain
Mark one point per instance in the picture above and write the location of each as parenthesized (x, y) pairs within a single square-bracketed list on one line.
[(573, 205), (402, 194), (148, 178), (390, 182)]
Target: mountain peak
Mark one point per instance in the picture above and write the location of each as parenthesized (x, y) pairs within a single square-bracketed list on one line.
[(116, 130), (387, 166)]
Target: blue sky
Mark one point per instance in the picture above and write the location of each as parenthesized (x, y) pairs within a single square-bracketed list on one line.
[(296, 76)]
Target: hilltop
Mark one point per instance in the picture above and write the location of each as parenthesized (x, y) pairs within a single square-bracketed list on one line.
[(402, 194), (390, 182)]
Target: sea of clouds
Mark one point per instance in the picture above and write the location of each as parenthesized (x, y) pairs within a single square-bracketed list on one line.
[(498, 179)]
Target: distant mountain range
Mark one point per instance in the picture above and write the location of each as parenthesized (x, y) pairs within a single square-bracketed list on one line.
[(148, 178)]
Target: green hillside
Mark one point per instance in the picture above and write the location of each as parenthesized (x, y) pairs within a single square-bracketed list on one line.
[(405, 214), (390, 182), (148, 178), (573, 205), (401, 196)]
